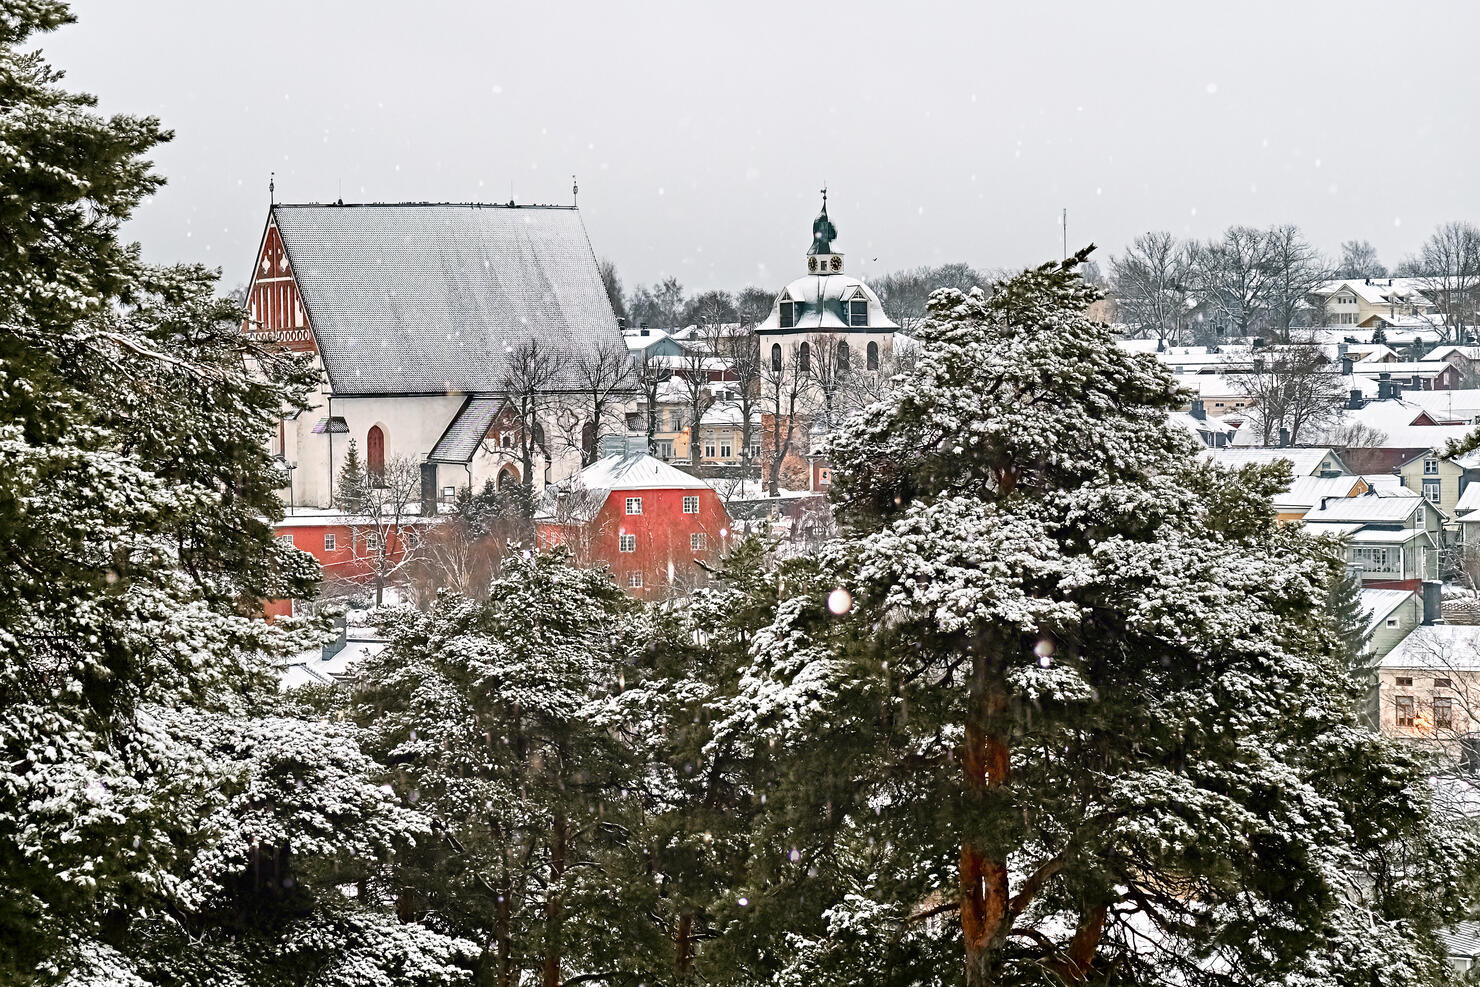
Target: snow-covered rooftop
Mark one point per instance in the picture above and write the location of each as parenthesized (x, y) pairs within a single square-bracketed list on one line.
[(1439, 647), (1305, 460), (1379, 604)]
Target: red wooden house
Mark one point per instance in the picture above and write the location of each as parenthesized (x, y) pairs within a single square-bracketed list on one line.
[(348, 548), (651, 523)]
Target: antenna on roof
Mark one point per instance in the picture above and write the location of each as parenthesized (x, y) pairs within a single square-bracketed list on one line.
[(272, 188), (575, 191)]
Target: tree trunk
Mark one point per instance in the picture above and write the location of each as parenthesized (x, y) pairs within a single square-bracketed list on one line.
[(554, 907), (683, 963), (503, 937), (983, 877)]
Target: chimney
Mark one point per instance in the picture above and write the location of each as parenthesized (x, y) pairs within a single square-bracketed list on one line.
[(1323, 503), (1284, 437), (1354, 399), (642, 328), (1346, 365), (621, 322), (1199, 411), (1341, 349), (1433, 606), (428, 489)]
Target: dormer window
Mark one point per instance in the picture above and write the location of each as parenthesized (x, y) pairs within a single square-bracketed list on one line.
[(788, 315), (858, 312)]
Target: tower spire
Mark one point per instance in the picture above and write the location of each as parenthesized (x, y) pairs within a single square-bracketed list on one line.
[(821, 258)]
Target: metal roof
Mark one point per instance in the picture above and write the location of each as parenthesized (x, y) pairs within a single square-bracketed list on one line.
[(431, 298), (1368, 508), (468, 428), (1439, 647), (1380, 603)]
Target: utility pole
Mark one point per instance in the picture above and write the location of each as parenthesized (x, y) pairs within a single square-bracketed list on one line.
[(1065, 224)]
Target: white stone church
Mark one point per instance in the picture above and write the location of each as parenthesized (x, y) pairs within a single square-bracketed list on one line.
[(411, 311)]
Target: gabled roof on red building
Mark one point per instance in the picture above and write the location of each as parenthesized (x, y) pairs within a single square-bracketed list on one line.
[(581, 496)]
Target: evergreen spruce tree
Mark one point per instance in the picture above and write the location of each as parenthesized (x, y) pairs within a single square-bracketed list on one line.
[(1066, 705), (349, 488), (158, 823), (506, 721)]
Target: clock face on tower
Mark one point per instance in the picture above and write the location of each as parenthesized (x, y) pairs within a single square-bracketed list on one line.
[(811, 263), (836, 263)]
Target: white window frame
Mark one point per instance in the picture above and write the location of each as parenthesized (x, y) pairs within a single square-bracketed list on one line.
[(1431, 466), (286, 538), (331, 541), (697, 541), (634, 505), (691, 504), (1431, 491), (634, 579), (626, 543)]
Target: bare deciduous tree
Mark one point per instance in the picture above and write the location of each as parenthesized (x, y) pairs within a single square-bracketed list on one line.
[(1292, 387), (1295, 269), (532, 371), (652, 371), (1150, 283), (738, 348), (600, 378), (692, 374), (1359, 260), (785, 389), (613, 285), (862, 386), (829, 364), (380, 516), (1233, 280), (1450, 264)]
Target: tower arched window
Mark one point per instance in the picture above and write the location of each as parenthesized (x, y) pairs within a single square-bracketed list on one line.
[(873, 356), (776, 356), (845, 358), (804, 357), (375, 455)]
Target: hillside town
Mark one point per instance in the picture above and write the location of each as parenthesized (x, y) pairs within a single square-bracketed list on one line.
[(927, 595)]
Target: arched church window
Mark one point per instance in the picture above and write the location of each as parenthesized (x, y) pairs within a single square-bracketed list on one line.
[(844, 358), (375, 455), (776, 356), (873, 356), (804, 357)]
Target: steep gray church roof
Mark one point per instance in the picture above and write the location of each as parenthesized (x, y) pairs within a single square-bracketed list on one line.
[(420, 298)]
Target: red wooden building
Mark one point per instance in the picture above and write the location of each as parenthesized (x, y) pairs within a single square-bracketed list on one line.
[(651, 523), (347, 548)]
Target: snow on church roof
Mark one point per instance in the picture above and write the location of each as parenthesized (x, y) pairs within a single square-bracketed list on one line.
[(430, 298), (823, 307)]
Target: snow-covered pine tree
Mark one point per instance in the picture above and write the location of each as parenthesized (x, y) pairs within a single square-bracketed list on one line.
[(1084, 717), (703, 799), (147, 807), (503, 720)]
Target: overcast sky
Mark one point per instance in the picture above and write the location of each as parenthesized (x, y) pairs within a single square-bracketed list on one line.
[(701, 133)]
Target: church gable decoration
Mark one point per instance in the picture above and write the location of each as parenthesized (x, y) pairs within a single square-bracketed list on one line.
[(275, 310)]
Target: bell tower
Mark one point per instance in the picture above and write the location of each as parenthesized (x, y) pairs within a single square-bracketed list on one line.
[(821, 259)]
